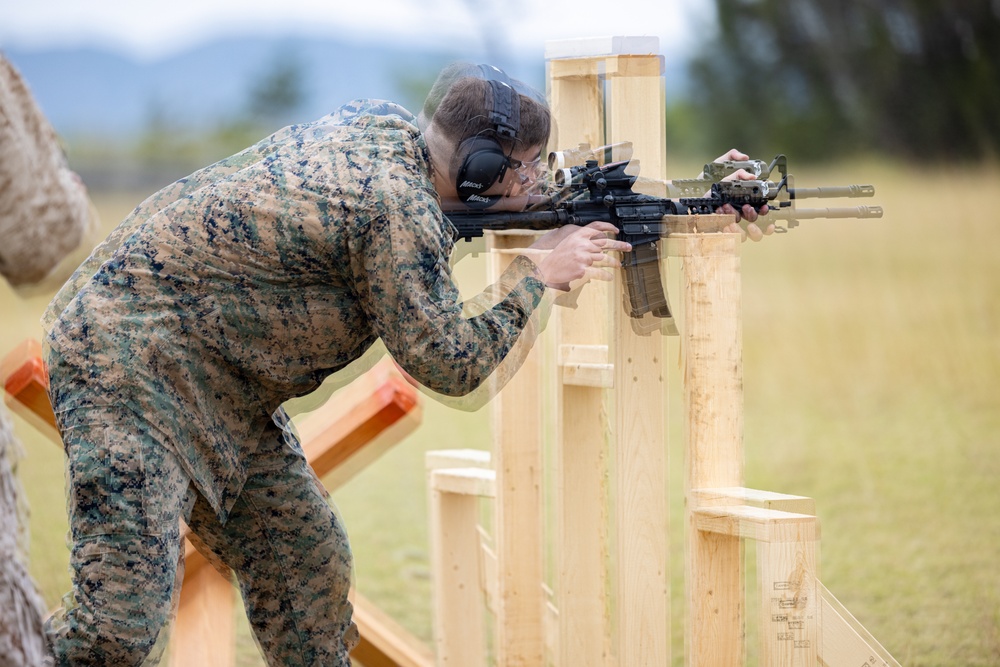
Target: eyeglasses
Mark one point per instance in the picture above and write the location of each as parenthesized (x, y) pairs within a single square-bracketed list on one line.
[(526, 170)]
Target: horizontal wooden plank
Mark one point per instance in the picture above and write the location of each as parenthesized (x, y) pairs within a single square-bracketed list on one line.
[(456, 458), (586, 366), (694, 224), (589, 375), (340, 444), (590, 47), (625, 65), (738, 495), (465, 481), (701, 245), (755, 523)]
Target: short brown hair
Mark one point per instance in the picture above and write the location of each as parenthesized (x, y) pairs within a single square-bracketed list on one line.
[(457, 106)]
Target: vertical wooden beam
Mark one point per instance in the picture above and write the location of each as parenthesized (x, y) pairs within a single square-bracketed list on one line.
[(456, 480), (205, 627), (603, 94), (518, 527), (635, 112), (582, 549), (787, 566), (458, 600), (576, 99), (712, 367), (581, 493)]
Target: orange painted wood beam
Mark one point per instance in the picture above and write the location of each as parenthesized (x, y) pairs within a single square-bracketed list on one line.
[(26, 381), (339, 440)]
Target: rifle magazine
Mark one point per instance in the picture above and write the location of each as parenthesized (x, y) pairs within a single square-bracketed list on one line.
[(645, 299)]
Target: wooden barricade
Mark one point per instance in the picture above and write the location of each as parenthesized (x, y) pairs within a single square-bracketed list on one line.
[(606, 601), (608, 398), (587, 584), (339, 440)]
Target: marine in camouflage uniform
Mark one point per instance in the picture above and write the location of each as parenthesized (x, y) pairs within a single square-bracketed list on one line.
[(232, 291), (173, 348)]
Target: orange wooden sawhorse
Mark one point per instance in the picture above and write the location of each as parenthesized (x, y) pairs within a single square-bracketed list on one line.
[(339, 440)]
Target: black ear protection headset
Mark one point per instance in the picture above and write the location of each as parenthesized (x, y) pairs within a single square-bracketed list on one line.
[(483, 160)]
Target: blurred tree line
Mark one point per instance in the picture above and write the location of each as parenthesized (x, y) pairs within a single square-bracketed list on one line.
[(824, 78), (271, 100), (274, 98)]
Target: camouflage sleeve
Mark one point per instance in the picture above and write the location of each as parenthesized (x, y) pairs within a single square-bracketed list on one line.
[(399, 264)]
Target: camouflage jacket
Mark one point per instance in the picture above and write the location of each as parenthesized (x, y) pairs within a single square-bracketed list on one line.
[(250, 281)]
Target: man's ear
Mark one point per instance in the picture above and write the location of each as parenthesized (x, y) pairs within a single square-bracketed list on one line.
[(443, 156)]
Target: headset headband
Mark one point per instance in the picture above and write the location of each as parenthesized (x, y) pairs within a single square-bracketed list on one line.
[(503, 102)]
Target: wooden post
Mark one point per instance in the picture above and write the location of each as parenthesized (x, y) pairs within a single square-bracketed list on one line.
[(582, 428), (789, 595), (518, 525), (455, 554), (787, 557), (205, 628), (712, 365), (636, 113), (623, 77)]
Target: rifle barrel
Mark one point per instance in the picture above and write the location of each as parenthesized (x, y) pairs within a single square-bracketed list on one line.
[(832, 191), (812, 213)]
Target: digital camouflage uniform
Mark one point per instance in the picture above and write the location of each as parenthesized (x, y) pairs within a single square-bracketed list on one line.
[(221, 297)]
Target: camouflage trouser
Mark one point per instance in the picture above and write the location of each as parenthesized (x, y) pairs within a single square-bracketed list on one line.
[(127, 493)]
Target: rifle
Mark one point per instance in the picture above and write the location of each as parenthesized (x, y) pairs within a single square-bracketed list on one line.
[(601, 189)]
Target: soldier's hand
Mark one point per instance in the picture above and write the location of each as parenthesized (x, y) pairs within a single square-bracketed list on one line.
[(752, 230), (580, 254), (747, 212)]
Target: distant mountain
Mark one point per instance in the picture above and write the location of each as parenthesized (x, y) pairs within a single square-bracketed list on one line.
[(105, 100), (95, 92), (88, 92)]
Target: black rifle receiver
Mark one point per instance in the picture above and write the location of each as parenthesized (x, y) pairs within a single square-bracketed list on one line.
[(593, 191)]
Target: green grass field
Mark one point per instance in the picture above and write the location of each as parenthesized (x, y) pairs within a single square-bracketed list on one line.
[(872, 380)]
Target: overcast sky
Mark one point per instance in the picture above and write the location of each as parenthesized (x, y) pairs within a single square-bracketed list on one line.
[(152, 30)]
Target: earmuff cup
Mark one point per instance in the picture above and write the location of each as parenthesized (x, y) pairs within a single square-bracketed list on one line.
[(484, 163), (483, 160)]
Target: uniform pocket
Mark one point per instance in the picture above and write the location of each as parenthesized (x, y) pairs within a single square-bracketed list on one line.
[(121, 480)]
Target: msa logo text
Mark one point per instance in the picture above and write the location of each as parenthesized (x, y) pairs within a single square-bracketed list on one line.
[(470, 184), (478, 198)]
